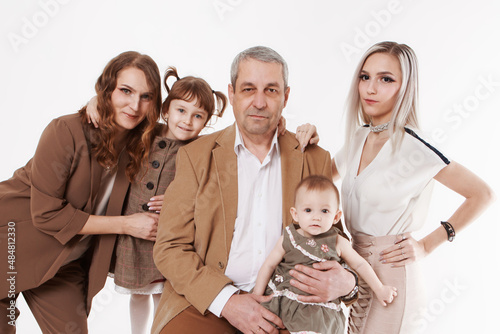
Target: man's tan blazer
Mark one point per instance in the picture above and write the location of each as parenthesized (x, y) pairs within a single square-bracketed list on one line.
[(199, 211)]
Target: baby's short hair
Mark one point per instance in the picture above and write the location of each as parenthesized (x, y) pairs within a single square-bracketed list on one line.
[(317, 183)]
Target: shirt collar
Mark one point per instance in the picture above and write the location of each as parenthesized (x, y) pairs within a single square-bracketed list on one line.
[(239, 144)]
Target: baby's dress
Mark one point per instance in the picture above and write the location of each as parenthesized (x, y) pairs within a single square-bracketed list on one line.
[(299, 317)]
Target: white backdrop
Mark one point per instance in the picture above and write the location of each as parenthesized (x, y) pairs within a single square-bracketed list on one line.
[(54, 50)]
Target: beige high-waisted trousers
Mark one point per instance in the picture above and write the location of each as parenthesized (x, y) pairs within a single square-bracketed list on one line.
[(367, 315)]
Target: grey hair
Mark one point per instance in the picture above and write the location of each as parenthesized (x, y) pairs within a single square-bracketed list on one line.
[(260, 53), (405, 110)]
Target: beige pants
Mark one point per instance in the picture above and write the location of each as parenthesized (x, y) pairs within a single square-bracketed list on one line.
[(190, 321), (367, 315)]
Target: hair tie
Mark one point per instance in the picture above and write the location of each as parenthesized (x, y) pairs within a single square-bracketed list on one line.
[(213, 91)]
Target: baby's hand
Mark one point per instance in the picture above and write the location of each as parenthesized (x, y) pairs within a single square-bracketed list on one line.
[(386, 294)]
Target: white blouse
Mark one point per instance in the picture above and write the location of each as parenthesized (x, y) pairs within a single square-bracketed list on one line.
[(391, 195)]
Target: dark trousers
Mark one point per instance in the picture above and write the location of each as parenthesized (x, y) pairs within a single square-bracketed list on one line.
[(58, 305)]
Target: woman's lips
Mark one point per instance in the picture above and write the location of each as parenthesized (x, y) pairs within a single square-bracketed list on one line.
[(368, 101), (130, 116)]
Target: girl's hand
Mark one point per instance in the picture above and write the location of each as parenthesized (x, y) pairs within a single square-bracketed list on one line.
[(386, 294), (306, 135), (281, 126), (91, 112), (405, 251), (155, 203), (142, 225)]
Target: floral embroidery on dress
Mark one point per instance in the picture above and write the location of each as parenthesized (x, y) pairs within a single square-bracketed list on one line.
[(311, 243), (278, 278), (302, 250), (324, 248)]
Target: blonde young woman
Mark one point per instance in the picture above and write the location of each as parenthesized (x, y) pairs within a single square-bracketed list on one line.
[(387, 173)]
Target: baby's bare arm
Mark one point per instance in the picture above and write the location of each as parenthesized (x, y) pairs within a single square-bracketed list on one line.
[(385, 294), (268, 267)]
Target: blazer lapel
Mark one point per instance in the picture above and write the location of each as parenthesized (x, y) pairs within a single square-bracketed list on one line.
[(120, 187), (226, 170), (104, 244), (291, 172)]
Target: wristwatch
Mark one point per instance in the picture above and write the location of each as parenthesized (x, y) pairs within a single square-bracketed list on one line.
[(351, 295)]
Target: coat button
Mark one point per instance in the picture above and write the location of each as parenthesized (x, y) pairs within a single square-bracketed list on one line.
[(150, 185), (162, 144), (145, 207), (221, 265), (155, 164)]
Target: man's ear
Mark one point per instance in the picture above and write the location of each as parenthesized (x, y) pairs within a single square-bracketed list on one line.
[(287, 93), (230, 93)]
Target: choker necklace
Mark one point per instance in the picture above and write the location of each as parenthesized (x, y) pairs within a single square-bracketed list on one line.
[(379, 128)]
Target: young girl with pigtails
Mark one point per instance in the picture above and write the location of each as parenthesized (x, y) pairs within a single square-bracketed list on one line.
[(188, 108)]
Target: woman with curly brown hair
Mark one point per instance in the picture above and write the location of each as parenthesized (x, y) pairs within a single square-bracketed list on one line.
[(59, 214), (186, 111)]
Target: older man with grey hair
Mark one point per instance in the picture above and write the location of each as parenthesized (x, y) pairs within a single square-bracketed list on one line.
[(227, 206)]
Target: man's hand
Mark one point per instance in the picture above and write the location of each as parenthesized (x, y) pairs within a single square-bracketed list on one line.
[(245, 313), (326, 282)]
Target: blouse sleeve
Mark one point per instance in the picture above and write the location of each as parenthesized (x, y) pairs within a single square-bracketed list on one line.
[(425, 156), (52, 165)]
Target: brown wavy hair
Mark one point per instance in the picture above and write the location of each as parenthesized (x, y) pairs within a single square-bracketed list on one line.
[(190, 88), (140, 138)]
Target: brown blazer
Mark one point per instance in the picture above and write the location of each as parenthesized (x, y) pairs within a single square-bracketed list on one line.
[(48, 201), (197, 220)]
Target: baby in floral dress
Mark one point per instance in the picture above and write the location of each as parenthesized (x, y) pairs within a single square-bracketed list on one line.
[(317, 240)]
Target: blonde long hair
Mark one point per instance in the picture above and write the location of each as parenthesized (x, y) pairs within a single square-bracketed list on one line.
[(405, 110)]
